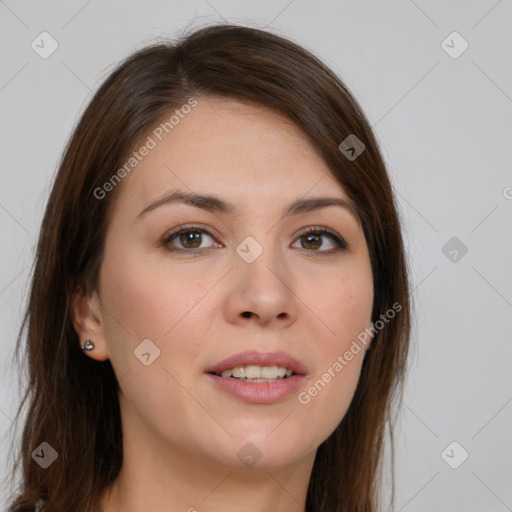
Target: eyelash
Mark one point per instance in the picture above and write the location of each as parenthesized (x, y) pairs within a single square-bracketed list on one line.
[(340, 242)]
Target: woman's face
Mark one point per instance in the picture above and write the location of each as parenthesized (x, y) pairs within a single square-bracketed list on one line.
[(241, 278)]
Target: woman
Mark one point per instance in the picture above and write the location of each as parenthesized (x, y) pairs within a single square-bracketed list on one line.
[(219, 311)]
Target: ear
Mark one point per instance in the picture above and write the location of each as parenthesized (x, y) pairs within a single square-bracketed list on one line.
[(87, 318)]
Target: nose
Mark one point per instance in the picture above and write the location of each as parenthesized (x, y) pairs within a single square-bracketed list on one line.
[(262, 290)]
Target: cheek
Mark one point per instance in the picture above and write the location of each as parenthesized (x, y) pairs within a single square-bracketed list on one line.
[(157, 303), (147, 301), (144, 303), (344, 305), (328, 394)]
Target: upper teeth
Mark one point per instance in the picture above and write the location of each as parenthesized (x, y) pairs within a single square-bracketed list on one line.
[(258, 372)]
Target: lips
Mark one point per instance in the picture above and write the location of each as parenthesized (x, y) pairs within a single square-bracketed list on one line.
[(253, 357)]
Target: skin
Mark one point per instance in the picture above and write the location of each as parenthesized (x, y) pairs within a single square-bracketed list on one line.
[(181, 433)]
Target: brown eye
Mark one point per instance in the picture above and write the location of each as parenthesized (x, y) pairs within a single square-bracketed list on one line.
[(311, 239), (190, 237), (186, 239)]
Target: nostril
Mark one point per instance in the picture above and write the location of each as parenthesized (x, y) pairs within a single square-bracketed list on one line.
[(246, 314)]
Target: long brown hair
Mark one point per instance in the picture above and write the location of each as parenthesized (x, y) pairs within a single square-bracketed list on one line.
[(73, 403)]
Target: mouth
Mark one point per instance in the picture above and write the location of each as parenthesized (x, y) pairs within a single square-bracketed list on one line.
[(258, 378), (253, 365), (254, 373)]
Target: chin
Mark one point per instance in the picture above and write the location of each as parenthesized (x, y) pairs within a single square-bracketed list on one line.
[(257, 449)]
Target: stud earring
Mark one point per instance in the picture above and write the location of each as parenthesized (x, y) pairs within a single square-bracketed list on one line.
[(88, 345)]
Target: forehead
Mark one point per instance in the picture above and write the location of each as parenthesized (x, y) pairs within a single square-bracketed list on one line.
[(242, 151)]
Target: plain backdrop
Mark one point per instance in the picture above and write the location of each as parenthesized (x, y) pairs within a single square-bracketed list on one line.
[(442, 115)]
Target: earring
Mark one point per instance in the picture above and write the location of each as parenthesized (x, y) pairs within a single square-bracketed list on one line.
[(88, 345)]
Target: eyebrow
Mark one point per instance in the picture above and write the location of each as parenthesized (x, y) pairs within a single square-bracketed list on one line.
[(216, 205)]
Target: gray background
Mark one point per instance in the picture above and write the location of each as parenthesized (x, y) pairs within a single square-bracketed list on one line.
[(444, 125)]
